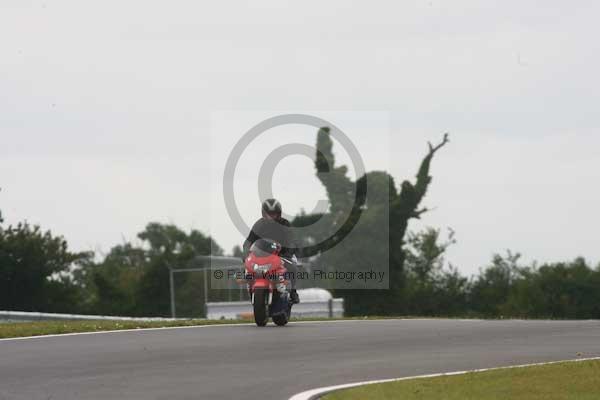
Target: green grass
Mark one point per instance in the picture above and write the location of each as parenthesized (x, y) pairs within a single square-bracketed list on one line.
[(562, 381), (40, 328)]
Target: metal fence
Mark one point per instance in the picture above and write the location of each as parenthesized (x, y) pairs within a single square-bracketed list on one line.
[(22, 316), (205, 266)]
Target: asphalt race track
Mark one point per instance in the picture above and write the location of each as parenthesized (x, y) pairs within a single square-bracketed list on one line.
[(246, 362)]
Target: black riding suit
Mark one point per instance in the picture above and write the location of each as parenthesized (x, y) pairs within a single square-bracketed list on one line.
[(279, 231)]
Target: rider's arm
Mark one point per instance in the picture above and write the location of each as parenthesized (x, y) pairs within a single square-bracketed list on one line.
[(252, 237), (288, 242)]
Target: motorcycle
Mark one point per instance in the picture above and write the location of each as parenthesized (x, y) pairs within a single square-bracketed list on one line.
[(265, 275)]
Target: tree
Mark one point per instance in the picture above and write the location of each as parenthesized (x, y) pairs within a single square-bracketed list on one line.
[(555, 290), (112, 284), (425, 254), (432, 288), (35, 272), (169, 247), (405, 207), (367, 202), (135, 280), (491, 288)]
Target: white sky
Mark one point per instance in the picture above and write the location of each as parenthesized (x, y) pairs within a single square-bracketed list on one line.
[(106, 110)]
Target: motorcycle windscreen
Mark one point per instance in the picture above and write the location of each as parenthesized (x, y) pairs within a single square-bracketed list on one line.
[(265, 248)]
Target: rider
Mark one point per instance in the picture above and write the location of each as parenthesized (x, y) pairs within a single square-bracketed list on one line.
[(274, 227)]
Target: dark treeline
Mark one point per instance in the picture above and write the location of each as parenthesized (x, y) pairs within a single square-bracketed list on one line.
[(39, 273), (504, 288)]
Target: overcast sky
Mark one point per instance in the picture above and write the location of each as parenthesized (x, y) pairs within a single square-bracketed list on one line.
[(108, 111)]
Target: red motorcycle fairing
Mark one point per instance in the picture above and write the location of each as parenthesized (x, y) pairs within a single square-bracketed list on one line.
[(263, 270)]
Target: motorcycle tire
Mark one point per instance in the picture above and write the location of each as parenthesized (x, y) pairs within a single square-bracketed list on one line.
[(261, 308)]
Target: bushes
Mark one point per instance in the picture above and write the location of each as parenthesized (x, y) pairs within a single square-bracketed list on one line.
[(35, 270), (555, 290), (503, 289)]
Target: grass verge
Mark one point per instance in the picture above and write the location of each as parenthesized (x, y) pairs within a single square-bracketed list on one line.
[(41, 328), (562, 381)]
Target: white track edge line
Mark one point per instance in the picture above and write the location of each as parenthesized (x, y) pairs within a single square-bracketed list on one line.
[(291, 323), (314, 394), (212, 326)]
